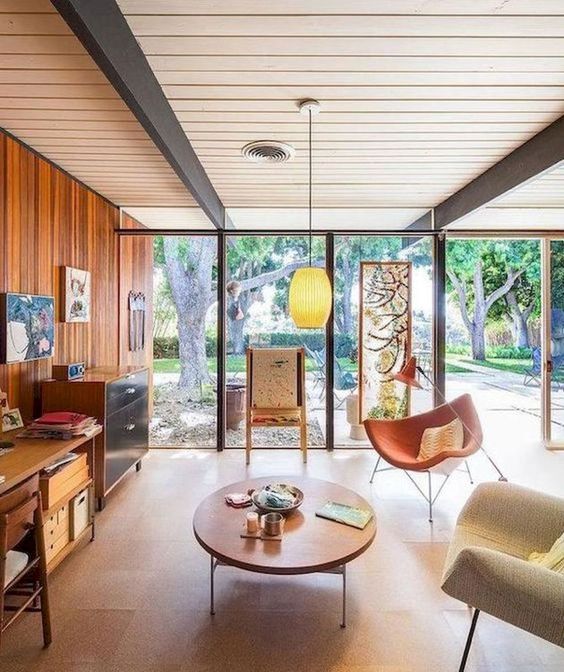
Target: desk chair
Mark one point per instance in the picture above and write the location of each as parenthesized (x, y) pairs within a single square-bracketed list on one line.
[(23, 565)]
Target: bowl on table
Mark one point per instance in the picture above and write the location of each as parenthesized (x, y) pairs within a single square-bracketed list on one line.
[(277, 498)]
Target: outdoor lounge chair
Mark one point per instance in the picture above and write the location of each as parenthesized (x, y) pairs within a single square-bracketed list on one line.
[(534, 373), (398, 443), (487, 568)]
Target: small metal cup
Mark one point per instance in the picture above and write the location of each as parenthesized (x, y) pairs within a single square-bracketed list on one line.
[(273, 523)]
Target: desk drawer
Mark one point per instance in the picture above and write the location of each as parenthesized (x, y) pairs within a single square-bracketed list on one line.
[(55, 487), (55, 546), (126, 390), (57, 526)]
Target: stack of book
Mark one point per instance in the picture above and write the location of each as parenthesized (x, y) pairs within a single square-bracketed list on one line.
[(60, 425)]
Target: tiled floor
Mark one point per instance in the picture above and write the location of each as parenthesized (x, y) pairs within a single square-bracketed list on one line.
[(137, 598)]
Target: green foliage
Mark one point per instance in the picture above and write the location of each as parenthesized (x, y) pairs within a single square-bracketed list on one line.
[(497, 256), (166, 347), (508, 352), (492, 352)]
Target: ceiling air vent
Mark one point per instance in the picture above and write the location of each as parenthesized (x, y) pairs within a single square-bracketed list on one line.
[(268, 151)]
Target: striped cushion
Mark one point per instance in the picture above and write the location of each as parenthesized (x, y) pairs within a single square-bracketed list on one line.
[(437, 440)]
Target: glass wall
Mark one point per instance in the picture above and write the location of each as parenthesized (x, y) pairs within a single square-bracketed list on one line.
[(557, 341), (350, 251), (184, 342), (259, 270)]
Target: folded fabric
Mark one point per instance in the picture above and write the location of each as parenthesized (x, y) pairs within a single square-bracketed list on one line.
[(553, 559), (61, 418), (16, 561), (437, 440)]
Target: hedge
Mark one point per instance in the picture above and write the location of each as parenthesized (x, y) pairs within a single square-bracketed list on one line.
[(166, 347)]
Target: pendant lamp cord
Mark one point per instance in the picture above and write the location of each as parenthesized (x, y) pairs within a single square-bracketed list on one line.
[(310, 182)]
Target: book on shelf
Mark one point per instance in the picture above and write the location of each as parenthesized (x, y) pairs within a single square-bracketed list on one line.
[(345, 514)]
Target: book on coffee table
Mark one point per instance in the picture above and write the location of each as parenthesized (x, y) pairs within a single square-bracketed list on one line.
[(345, 514)]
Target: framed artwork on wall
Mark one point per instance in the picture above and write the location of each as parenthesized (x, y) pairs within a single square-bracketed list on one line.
[(27, 327), (76, 295), (384, 338)]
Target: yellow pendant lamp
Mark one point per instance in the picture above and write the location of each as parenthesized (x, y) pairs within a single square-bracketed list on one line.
[(310, 298)]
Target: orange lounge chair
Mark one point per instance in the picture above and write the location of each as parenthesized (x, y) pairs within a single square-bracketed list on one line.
[(398, 442)]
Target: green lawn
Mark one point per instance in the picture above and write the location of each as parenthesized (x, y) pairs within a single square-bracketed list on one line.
[(236, 364), (454, 364), (518, 366)]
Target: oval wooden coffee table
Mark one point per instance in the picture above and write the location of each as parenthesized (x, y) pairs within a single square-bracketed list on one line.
[(309, 543)]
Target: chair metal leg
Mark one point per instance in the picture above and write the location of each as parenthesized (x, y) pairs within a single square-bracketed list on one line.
[(430, 486), (469, 641), (468, 470), (494, 465), (375, 469)]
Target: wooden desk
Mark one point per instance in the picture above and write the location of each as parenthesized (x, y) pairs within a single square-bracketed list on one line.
[(29, 456)]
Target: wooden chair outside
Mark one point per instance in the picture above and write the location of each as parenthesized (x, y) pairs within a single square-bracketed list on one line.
[(21, 526), (273, 416)]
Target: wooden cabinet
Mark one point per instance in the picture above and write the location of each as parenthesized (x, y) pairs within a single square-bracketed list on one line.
[(118, 398)]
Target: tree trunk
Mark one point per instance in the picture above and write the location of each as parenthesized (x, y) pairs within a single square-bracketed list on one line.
[(478, 340), (519, 320), (191, 288), (192, 353)]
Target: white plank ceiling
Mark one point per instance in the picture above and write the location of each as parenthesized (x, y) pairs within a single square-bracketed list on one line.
[(418, 96), (54, 98)]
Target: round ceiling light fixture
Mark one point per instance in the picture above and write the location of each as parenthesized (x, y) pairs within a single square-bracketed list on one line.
[(268, 151)]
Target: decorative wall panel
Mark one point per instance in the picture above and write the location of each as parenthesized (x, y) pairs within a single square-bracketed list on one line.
[(385, 338)]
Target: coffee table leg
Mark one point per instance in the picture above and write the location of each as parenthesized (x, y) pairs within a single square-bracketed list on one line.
[(344, 619), (212, 572)]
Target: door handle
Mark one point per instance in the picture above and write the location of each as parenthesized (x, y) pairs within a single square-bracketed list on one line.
[(130, 390), (129, 427)]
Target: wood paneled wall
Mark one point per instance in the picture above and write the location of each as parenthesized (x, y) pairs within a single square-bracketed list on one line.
[(49, 220), (136, 256)]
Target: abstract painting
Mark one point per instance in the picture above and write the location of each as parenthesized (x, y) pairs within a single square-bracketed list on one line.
[(76, 295), (385, 338), (27, 329), (275, 375)]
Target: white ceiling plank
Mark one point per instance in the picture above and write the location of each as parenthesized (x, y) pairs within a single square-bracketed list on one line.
[(299, 64), (298, 7), (325, 93), (322, 25), (342, 46), (360, 79), (360, 106)]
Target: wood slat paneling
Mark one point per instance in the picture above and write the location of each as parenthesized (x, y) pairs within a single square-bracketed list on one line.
[(49, 220)]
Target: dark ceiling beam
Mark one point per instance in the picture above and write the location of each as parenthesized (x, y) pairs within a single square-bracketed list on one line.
[(541, 153), (423, 223), (105, 34)]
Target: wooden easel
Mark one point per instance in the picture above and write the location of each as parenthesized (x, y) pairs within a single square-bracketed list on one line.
[(277, 416)]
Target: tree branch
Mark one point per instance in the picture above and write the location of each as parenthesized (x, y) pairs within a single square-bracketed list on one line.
[(461, 291), (278, 274), (502, 291)]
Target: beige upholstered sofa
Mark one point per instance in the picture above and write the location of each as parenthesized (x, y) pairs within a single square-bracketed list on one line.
[(487, 568)]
